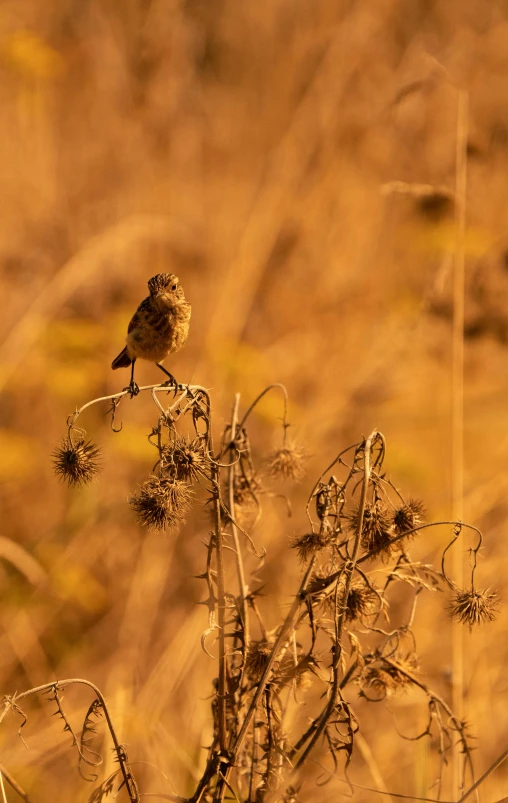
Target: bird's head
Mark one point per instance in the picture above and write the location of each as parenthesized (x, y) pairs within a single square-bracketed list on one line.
[(166, 291)]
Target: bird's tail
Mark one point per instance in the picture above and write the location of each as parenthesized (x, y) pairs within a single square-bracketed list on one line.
[(122, 361)]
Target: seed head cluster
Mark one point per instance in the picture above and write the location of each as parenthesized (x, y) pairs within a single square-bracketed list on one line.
[(307, 545), (76, 462), (381, 679), (376, 527), (185, 459), (472, 607), (362, 600), (408, 517), (161, 502), (286, 463), (257, 658)]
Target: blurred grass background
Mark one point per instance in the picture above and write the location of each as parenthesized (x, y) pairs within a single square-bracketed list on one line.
[(252, 149)]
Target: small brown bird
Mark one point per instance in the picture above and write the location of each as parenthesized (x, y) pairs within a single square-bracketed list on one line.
[(160, 326)]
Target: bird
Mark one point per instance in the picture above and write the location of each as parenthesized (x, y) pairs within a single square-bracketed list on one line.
[(160, 326)]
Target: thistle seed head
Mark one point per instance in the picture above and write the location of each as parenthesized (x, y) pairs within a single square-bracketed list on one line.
[(472, 607), (361, 601), (307, 545), (382, 678), (185, 459), (76, 462), (376, 528), (376, 683), (408, 516), (286, 463), (161, 502), (257, 658)]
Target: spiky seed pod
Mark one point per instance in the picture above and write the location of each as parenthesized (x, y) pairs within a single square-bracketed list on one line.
[(257, 658), (307, 545), (383, 678), (376, 681), (408, 517), (361, 601), (76, 462), (401, 668), (161, 502), (286, 463), (185, 459), (376, 529), (472, 607)]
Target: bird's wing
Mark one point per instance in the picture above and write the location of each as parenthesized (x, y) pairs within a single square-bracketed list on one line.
[(139, 315)]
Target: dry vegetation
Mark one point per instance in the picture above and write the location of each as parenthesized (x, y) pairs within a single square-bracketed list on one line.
[(295, 164)]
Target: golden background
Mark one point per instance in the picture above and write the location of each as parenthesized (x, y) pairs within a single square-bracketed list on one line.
[(294, 163)]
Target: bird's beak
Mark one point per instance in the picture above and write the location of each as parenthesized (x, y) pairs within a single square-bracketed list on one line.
[(164, 300)]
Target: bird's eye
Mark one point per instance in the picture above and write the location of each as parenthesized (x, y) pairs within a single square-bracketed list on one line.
[(174, 287)]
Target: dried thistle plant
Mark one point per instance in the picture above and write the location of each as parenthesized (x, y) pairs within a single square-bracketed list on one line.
[(338, 635)]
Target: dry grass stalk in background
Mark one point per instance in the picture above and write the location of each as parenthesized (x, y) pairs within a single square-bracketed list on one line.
[(338, 634)]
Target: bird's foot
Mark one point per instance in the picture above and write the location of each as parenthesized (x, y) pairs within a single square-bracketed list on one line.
[(171, 384), (133, 389)]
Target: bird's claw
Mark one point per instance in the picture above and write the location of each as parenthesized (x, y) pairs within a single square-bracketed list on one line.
[(133, 389), (172, 384)]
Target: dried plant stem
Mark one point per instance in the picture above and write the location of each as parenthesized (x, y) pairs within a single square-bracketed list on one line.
[(474, 788), (316, 729), (14, 784), (221, 614), (234, 530), (258, 399), (458, 414), (282, 637)]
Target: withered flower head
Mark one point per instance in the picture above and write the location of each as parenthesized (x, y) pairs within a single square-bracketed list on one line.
[(286, 463), (361, 600), (408, 516), (185, 459), (307, 545), (76, 462), (161, 502), (376, 529), (257, 658), (382, 678), (472, 607), (376, 683)]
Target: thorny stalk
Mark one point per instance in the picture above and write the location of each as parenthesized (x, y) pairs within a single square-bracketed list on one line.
[(340, 610), (234, 434), (221, 615)]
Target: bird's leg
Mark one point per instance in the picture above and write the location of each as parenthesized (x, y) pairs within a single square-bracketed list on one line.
[(132, 387), (171, 381)]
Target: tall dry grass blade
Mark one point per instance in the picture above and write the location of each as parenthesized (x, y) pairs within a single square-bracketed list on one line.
[(458, 414)]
